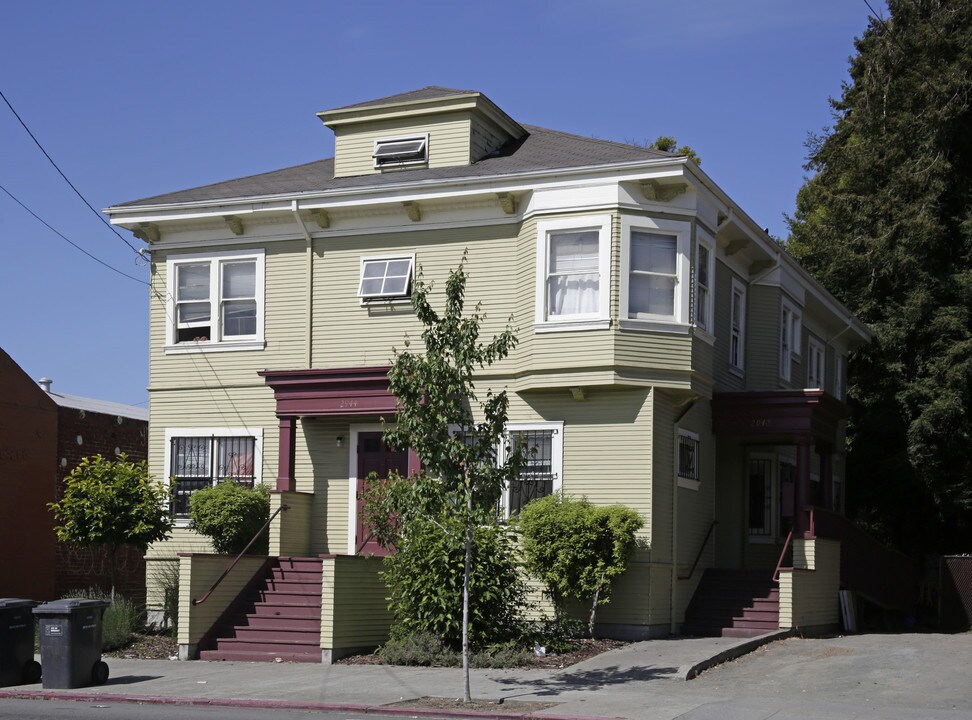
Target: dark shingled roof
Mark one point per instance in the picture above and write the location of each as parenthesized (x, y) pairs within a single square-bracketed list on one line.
[(432, 92), (541, 149)]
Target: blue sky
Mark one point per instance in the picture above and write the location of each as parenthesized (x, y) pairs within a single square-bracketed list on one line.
[(133, 98)]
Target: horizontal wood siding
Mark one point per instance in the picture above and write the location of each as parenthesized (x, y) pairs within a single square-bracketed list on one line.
[(354, 605), (197, 573), (486, 137), (323, 471), (285, 331), (653, 350), (763, 338), (663, 468), (449, 141), (812, 598), (347, 334), (727, 378), (290, 531)]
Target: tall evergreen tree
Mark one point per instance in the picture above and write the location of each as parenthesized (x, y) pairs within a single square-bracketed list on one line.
[(885, 222)]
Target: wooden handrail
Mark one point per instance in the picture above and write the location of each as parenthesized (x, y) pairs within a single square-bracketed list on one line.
[(779, 563), (229, 569), (698, 555)]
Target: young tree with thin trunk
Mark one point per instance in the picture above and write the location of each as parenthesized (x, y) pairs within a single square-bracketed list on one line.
[(461, 480), (111, 503)]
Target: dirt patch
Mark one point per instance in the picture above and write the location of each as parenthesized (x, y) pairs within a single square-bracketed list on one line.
[(829, 652), (474, 705), (585, 649), (147, 646)]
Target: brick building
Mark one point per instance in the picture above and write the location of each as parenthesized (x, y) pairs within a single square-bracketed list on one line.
[(43, 436)]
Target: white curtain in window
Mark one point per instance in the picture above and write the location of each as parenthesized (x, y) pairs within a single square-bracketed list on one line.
[(573, 280)]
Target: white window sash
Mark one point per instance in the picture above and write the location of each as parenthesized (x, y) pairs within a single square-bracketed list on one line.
[(681, 231), (546, 231)]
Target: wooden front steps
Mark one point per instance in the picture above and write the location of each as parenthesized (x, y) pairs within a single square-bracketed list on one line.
[(278, 618), (733, 603)]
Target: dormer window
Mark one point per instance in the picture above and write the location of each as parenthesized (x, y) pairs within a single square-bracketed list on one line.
[(397, 151)]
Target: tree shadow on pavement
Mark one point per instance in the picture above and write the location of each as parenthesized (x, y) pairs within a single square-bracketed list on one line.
[(131, 679), (588, 679)]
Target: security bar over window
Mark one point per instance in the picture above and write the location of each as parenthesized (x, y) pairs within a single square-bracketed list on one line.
[(536, 477), (199, 462)]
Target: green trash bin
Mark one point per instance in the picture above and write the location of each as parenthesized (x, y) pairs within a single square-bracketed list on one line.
[(17, 664), (70, 642)]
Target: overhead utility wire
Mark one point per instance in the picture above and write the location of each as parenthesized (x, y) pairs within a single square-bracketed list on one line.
[(68, 240), (61, 172)]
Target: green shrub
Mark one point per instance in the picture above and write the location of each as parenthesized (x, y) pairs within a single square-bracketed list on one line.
[(230, 515), (422, 649), (503, 655), (122, 618), (425, 578), (557, 634), (576, 548)]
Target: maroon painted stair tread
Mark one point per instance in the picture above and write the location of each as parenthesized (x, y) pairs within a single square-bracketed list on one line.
[(278, 620), (733, 603)]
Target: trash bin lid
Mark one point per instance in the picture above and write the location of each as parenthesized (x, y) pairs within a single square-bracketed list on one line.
[(69, 605), (13, 603)]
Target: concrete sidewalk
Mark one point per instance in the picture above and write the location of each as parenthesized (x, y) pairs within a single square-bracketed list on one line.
[(613, 684)]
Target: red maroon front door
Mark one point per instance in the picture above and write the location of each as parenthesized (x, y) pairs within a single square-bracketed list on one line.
[(374, 456)]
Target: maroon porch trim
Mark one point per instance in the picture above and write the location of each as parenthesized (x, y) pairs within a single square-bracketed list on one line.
[(804, 418), (339, 391)]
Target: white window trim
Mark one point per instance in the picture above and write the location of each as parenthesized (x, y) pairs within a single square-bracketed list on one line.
[(680, 320), (424, 137), (703, 240), (684, 482), (815, 346), (246, 342), (387, 299), (795, 332), (174, 432), (588, 321), (738, 288), (556, 453)]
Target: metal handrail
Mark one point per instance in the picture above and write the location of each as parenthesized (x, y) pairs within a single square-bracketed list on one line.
[(779, 563), (229, 569), (698, 555)]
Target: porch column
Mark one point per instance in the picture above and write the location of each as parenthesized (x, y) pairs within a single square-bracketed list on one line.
[(801, 495), (827, 475), (285, 457)]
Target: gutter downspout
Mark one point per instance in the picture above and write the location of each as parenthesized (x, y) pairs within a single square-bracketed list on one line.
[(295, 209), (689, 404)]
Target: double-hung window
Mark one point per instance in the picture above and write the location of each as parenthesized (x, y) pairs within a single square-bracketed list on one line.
[(200, 458), (789, 339), (655, 275), (815, 363), (215, 301), (737, 326), (540, 475), (704, 274), (839, 376), (573, 273)]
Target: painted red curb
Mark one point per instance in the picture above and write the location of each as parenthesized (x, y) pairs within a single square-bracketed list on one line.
[(284, 705)]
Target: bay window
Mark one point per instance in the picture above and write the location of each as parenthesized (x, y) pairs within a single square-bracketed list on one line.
[(654, 274), (573, 273)]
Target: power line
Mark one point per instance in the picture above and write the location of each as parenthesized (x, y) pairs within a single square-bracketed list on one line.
[(61, 172), (68, 240)]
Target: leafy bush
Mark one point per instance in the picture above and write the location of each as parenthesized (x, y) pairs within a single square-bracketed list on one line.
[(426, 650), (425, 578), (558, 634), (122, 618), (576, 548), (230, 515)]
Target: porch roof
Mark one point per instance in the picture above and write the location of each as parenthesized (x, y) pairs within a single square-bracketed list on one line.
[(335, 391), (787, 414)]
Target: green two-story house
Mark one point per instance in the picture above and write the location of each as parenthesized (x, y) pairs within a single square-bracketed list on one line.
[(672, 357)]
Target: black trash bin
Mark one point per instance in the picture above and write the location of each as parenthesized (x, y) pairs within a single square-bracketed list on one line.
[(17, 664), (70, 642)]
